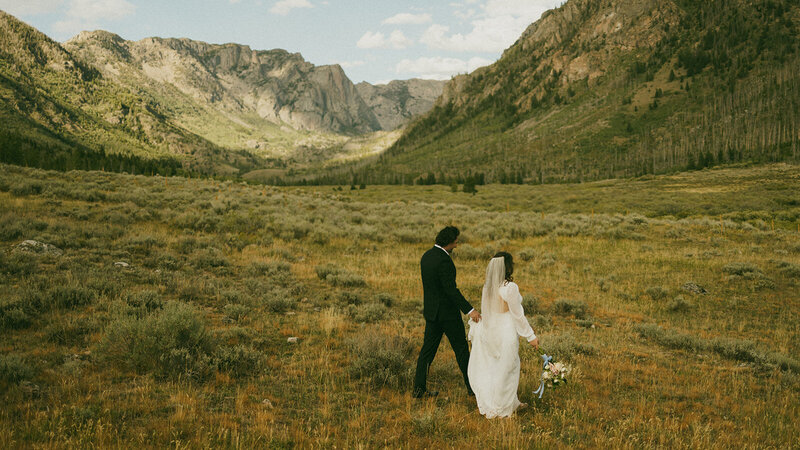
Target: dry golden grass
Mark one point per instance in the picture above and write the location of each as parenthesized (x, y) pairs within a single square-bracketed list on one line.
[(628, 391)]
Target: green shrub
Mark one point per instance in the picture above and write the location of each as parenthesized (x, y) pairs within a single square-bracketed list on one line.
[(145, 301), (239, 361), (565, 346), (337, 276), (547, 260), (18, 264), (13, 369), (736, 349), (24, 188), (789, 270), (235, 312), (764, 283), (576, 308), (184, 363), (169, 342), (530, 304), (283, 254), (466, 251), (656, 293), (273, 268), (209, 258), (370, 312), (527, 254), (668, 339), (236, 297), (745, 270), (70, 297), (407, 236), (168, 262), (70, 330), (327, 269), (382, 360), (142, 245), (319, 237), (277, 301), (386, 299), (350, 298), (12, 226), (541, 322), (234, 335), (346, 279), (679, 304), (14, 317)]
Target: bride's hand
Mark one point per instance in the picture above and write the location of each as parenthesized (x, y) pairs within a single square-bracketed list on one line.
[(475, 316), (534, 343)]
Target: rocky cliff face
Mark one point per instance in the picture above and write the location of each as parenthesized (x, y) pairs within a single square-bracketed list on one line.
[(581, 40), (276, 85), (395, 103), (55, 105)]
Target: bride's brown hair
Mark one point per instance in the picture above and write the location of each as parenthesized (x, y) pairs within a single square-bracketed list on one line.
[(508, 260)]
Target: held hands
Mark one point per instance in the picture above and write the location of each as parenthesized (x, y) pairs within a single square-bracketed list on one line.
[(475, 316), (534, 343)]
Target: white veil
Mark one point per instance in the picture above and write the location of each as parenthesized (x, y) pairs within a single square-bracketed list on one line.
[(492, 305)]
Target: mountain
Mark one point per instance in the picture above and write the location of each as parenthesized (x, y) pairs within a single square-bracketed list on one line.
[(57, 112), (271, 102), (612, 88), (275, 85), (397, 102), (223, 109)]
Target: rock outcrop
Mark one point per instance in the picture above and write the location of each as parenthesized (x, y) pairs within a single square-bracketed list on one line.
[(275, 85), (396, 102)]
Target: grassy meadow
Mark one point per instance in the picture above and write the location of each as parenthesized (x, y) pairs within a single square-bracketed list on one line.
[(186, 344)]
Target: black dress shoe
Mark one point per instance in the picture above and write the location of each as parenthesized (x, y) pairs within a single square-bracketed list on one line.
[(426, 394)]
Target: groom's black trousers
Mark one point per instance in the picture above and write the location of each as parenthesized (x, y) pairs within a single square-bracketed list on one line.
[(454, 329)]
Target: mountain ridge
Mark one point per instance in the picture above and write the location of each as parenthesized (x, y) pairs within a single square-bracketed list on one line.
[(216, 108), (608, 88)]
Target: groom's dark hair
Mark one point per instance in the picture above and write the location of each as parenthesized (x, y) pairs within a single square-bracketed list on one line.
[(447, 236)]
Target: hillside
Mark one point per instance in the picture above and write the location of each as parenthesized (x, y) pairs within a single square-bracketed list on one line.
[(609, 88), (222, 109), (272, 103), (60, 113)]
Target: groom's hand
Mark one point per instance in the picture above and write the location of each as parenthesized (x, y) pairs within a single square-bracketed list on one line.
[(475, 316)]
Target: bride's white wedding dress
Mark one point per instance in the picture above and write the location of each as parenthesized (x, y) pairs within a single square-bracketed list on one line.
[(494, 360)]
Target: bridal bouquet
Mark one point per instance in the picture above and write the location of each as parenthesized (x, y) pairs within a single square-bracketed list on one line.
[(553, 374)]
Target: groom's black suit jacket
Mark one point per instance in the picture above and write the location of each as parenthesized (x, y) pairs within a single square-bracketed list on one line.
[(442, 299)]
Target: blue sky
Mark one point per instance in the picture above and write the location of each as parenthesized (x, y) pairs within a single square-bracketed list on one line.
[(376, 41)]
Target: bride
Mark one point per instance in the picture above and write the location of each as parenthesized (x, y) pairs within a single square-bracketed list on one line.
[(494, 361)]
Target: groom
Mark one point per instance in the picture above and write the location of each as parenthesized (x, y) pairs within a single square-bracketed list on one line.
[(441, 305)]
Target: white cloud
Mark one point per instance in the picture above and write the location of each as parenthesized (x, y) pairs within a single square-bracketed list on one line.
[(396, 40), (408, 19), (347, 64), (283, 7), (439, 68), (464, 15), (87, 14), (495, 27), (371, 40), (30, 7)]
